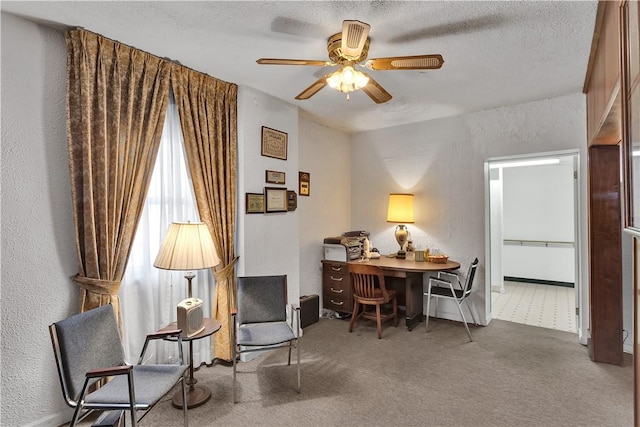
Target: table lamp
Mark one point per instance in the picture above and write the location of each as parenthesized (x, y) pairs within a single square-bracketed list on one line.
[(187, 246), (401, 211)]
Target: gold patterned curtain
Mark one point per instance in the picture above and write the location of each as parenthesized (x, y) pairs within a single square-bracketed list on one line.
[(208, 110), (116, 102)]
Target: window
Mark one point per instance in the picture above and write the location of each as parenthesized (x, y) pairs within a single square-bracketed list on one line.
[(149, 296)]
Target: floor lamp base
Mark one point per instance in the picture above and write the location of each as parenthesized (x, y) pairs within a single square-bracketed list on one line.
[(196, 396)]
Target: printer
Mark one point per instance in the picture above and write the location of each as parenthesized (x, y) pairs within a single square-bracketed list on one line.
[(344, 248)]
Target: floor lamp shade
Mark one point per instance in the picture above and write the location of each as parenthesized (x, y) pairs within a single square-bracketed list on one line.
[(187, 246)]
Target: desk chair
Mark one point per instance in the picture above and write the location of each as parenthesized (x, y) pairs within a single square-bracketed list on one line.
[(88, 349), (260, 319), (367, 282), (448, 286)]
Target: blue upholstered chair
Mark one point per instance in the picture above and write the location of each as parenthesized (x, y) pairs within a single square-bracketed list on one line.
[(88, 349), (448, 286), (260, 319)]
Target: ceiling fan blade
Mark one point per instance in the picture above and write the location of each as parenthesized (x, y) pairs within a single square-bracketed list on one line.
[(453, 28), (376, 92), (275, 61), (417, 62), (296, 27), (314, 88), (354, 36)]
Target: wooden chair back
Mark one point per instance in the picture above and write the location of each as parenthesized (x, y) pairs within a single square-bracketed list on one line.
[(366, 280)]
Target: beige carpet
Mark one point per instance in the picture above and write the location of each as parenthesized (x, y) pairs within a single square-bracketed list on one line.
[(511, 375)]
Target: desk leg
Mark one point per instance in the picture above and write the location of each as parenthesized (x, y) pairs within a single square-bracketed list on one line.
[(413, 287), (196, 395)]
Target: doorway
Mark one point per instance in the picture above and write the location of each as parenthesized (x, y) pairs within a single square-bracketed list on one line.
[(533, 256)]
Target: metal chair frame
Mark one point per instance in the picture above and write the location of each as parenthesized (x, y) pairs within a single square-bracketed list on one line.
[(446, 288), (83, 409), (243, 347)]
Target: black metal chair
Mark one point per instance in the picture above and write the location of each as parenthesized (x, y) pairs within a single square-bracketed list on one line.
[(448, 286), (260, 319), (88, 349)]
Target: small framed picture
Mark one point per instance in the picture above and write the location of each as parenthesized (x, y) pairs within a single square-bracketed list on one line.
[(275, 177), (254, 203), (304, 179), (275, 199), (274, 143), (292, 200)]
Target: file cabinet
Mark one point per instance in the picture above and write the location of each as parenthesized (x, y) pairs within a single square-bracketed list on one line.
[(336, 287)]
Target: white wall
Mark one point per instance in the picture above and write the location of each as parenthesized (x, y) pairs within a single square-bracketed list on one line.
[(442, 163), (326, 154), (538, 202), (38, 237), (539, 206), (266, 243), (290, 243), (37, 224), (495, 213)]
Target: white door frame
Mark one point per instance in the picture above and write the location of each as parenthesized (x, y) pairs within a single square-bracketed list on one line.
[(577, 229)]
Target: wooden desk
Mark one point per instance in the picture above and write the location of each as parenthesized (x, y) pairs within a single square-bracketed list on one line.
[(412, 273), (196, 395)]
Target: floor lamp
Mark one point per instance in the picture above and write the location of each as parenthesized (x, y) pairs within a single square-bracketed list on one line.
[(188, 246)]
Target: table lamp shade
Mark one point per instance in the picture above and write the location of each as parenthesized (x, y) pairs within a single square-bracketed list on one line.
[(400, 208), (187, 246)]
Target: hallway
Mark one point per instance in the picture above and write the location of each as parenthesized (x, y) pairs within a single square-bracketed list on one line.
[(545, 306)]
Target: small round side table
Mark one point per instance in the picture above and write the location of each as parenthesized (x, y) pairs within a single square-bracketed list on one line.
[(196, 395)]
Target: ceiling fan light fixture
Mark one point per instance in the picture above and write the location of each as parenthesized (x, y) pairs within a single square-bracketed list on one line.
[(348, 49), (347, 79)]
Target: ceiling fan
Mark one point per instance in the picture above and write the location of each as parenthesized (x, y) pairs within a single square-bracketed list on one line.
[(348, 49)]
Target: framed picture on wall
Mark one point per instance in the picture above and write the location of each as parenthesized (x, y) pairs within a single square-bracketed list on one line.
[(254, 203), (304, 180), (275, 199), (274, 177), (292, 200), (274, 143)]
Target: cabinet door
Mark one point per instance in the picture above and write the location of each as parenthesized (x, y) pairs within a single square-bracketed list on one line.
[(605, 253)]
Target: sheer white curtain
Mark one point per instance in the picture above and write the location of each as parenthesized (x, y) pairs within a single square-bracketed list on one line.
[(149, 296)]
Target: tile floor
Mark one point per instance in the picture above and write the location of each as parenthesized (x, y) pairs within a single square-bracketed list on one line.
[(545, 306)]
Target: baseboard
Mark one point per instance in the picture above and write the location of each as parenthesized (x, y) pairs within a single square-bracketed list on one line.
[(539, 281)]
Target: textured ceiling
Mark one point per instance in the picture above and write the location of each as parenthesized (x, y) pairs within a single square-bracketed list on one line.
[(496, 53)]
